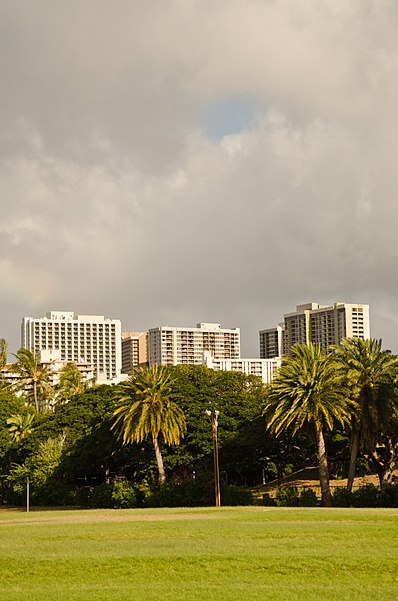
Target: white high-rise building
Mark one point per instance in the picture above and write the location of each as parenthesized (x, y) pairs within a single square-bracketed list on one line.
[(90, 339), (186, 346), (322, 324), (134, 350), (271, 342)]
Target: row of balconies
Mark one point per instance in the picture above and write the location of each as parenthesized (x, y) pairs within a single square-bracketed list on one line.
[(76, 340)]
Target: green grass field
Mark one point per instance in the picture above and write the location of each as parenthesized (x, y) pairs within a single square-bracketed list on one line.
[(200, 554)]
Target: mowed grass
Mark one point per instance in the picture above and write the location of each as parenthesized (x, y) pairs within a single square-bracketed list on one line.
[(200, 554)]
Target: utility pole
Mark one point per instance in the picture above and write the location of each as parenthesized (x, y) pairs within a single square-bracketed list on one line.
[(27, 494), (213, 418)]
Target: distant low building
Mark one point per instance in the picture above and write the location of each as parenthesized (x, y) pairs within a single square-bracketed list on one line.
[(52, 360), (264, 368)]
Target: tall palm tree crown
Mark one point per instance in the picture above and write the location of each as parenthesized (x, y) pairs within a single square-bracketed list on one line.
[(3, 360), (305, 391), (307, 394), (20, 426), (71, 381), (3, 353), (145, 410), (370, 375), (33, 373)]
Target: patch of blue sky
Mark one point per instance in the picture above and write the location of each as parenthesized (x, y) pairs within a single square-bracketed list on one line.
[(228, 116)]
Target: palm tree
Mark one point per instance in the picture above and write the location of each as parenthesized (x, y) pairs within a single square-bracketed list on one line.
[(3, 360), (145, 410), (20, 426), (3, 353), (33, 373), (370, 375), (307, 395), (71, 381)]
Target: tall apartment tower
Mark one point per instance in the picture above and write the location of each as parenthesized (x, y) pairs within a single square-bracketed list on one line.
[(134, 350), (322, 324), (88, 339), (186, 346), (271, 342)]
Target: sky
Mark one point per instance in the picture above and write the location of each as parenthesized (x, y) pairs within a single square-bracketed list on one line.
[(170, 162)]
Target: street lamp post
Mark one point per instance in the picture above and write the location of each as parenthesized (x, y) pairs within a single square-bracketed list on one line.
[(213, 418)]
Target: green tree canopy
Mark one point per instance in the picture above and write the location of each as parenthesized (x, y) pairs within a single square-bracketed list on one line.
[(238, 398)]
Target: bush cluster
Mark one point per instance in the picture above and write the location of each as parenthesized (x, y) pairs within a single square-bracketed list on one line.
[(367, 496), (119, 494), (290, 496), (190, 493)]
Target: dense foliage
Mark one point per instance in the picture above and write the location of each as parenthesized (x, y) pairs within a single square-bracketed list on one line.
[(72, 456)]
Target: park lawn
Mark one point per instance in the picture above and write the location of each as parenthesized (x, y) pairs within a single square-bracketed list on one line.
[(207, 554)]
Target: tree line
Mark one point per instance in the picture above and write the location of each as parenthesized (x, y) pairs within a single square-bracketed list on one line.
[(340, 410)]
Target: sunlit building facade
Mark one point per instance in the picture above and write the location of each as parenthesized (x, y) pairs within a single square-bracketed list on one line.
[(134, 350), (186, 346), (83, 339), (323, 324)]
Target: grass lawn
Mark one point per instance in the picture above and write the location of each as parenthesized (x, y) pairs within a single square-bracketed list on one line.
[(239, 554)]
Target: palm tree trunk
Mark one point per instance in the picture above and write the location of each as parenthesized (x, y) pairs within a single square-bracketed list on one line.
[(378, 464), (323, 467), (354, 445), (385, 468), (35, 395), (392, 462), (159, 460)]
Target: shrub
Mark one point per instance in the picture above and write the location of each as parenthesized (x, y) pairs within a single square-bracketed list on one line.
[(308, 498), (116, 495), (268, 501), (287, 496), (83, 496), (235, 495), (184, 494), (124, 495), (53, 493), (389, 495), (366, 496), (102, 496), (342, 497), (189, 493)]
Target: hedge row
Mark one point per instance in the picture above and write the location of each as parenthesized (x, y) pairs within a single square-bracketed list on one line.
[(365, 496)]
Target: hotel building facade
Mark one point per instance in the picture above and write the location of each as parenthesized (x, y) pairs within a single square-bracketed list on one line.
[(82, 339)]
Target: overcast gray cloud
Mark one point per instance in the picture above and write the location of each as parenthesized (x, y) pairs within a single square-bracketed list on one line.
[(182, 161)]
